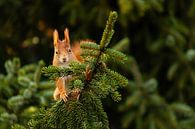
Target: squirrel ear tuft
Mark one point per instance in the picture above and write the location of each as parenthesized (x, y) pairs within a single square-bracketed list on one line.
[(66, 37), (55, 37)]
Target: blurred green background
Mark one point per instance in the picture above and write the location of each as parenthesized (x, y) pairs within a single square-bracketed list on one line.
[(158, 36)]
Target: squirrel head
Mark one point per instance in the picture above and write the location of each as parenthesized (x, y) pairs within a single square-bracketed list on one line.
[(62, 50)]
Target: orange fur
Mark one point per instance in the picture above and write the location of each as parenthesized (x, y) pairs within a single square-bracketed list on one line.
[(77, 51)]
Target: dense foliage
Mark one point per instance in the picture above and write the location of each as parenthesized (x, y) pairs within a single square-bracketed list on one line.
[(157, 35), (22, 92)]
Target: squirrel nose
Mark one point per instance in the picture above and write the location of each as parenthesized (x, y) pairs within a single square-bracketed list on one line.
[(64, 59)]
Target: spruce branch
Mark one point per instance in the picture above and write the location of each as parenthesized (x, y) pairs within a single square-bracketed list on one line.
[(89, 45), (92, 80), (22, 92), (119, 79), (53, 72), (106, 37), (108, 31), (37, 74), (116, 55)]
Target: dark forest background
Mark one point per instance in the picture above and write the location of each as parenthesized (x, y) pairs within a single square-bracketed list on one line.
[(158, 36)]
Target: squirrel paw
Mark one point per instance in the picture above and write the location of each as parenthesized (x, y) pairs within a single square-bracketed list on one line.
[(64, 96)]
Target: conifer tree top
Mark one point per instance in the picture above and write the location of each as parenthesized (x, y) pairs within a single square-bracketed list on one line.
[(94, 80)]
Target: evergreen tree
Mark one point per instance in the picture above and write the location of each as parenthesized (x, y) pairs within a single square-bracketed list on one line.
[(94, 81)]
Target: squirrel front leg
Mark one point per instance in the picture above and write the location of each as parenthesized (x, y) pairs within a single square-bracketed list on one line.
[(60, 91)]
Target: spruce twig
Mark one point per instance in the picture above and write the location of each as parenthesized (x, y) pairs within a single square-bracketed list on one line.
[(108, 31), (106, 37)]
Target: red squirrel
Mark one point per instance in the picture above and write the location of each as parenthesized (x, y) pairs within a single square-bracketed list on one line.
[(63, 55)]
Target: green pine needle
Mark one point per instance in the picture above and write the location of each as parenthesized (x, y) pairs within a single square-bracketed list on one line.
[(115, 55), (122, 81), (54, 72), (108, 31), (89, 45)]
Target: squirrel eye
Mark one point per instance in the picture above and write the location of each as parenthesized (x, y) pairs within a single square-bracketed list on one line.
[(69, 50), (56, 52)]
